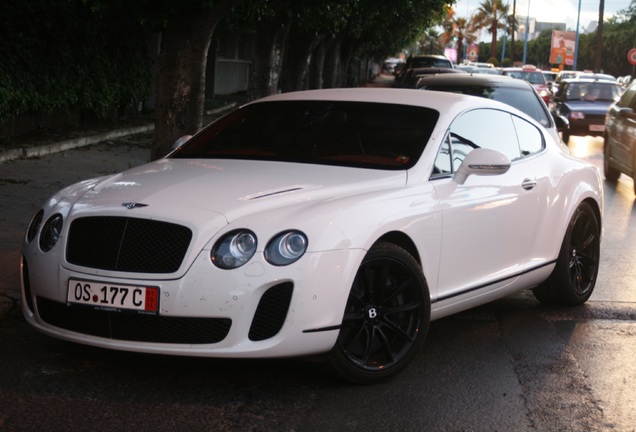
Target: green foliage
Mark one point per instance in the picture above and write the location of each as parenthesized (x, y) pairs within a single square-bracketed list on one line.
[(493, 60), (61, 56)]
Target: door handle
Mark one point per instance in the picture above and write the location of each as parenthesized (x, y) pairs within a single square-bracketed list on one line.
[(528, 184)]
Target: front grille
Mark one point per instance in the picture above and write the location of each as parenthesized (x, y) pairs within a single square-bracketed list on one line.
[(127, 244), (271, 312), (133, 327)]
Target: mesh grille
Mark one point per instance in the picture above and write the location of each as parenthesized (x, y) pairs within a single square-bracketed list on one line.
[(133, 327), (127, 244), (271, 312)]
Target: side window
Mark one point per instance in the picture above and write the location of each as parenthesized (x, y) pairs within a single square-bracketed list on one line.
[(530, 138), (483, 128), (443, 165)]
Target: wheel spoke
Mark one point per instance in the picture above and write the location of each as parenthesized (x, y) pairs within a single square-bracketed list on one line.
[(400, 289), (399, 331)]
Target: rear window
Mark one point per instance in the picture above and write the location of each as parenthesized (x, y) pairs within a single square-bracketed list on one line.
[(355, 134), (524, 100), (531, 77)]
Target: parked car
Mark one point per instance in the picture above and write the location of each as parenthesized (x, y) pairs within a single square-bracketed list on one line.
[(413, 75), (334, 223), (596, 76), (585, 103), (517, 93), (619, 148), (484, 71), (534, 76), (421, 61)]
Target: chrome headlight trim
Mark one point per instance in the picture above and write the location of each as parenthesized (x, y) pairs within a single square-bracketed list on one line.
[(51, 231), (286, 248), (234, 249)]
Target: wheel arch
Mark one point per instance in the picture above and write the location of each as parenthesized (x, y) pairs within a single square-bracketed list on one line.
[(402, 240)]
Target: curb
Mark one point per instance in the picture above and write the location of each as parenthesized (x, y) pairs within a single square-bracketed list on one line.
[(29, 152)]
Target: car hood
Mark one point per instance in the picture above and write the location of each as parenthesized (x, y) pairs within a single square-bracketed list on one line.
[(194, 191), (589, 107)]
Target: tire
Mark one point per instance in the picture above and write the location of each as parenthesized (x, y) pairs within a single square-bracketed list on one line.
[(574, 276), (611, 174), (386, 318)]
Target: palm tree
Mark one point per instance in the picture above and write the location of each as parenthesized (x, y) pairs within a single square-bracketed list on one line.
[(461, 30), (491, 14), (430, 42)]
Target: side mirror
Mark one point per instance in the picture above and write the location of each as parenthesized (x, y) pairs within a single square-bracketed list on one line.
[(626, 112), (181, 141), (562, 123), (482, 161)]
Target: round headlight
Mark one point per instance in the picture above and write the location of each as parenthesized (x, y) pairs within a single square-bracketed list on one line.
[(35, 225), (234, 249), (51, 232), (286, 248)]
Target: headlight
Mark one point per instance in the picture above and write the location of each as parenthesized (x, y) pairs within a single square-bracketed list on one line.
[(51, 232), (34, 227), (234, 249), (577, 115), (286, 248)]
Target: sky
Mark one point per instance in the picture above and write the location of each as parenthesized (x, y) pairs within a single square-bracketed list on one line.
[(553, 10)]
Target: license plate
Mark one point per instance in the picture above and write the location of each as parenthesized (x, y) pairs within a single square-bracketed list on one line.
[(597, 128), (118, 298)]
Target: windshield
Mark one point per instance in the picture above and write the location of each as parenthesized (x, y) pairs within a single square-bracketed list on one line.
[(592, 91), (356, 134)]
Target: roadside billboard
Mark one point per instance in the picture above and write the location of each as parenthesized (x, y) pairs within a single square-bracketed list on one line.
[(473, 52), (562, 48)]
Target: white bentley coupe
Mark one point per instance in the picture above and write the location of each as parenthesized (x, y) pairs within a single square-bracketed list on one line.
[(336, 223)]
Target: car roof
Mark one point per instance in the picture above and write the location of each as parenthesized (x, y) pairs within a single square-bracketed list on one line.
[(444, 102), (436, 56), (481, 80), (590, 80)]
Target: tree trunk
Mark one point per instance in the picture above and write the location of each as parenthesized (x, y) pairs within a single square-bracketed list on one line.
[(268, 59), (493, 46), (514, 30), (181, 74), (298, 58), (317, 65), (598, 59), (332, 64)]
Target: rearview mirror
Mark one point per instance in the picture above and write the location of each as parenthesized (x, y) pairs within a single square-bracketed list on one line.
[(482, 161)]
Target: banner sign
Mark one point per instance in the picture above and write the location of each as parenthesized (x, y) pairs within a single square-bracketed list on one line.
[(562, 48)]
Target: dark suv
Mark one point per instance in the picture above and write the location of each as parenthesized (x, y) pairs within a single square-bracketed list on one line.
[(620, 137), (421, 61)]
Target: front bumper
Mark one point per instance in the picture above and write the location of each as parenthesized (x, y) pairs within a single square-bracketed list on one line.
[(255, 311)]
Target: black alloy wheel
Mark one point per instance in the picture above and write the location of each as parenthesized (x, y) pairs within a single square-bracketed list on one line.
[(386, 317), (574, 276)]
